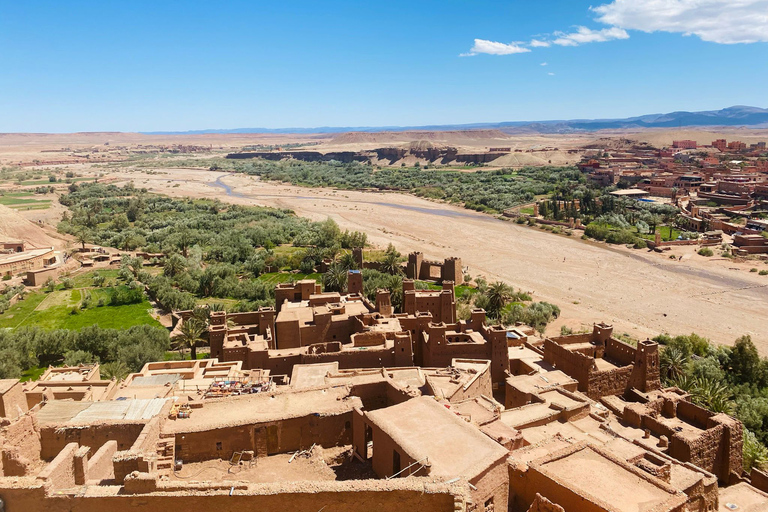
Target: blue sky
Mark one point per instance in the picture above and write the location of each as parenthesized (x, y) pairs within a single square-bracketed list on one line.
[(161, 65)]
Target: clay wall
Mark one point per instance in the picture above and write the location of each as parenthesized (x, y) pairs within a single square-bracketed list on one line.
[(363, 496), (288, 334), (693, 414), (759, 479), (704, 451), (13, 403), (371, 357), (542, 504), (100, 466), (53, 439), (60, 473), (619, 352), (573, 364), (528, 481), (439, 353), (491, 490), (20, 447), (384, 448), (281, 437), (611, 382), (148, 437)]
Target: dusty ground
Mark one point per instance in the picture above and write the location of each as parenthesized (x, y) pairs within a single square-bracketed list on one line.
[(641, 293), (329, 464)]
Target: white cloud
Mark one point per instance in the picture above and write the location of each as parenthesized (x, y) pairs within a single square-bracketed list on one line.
[(495, 48), (538, 43), (551, 74), (543, 64), (718, 21), (585, 35)]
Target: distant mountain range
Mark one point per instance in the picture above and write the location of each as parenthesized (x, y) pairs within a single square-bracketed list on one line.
[(732, 116)]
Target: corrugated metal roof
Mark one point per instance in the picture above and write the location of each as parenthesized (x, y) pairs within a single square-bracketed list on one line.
[(155, 380), (86, 412)]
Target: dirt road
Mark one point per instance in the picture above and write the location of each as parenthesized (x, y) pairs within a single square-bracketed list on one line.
[(641, 293)]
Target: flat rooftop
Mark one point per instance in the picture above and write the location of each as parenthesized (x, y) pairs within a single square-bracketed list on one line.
[(424, 428), (263, 408), (23, 256), (312, 375), (589, 472), (744, 496)]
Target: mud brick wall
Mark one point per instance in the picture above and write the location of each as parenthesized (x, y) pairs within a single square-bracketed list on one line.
[(53, 439), (290, 435), (574, 364), (611, 382), (347, 496), (620, 352), (21, 447)]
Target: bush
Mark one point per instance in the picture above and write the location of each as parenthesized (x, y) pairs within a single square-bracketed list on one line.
[(68, 283), (763, 273), (123, 295), (7, 277), (706, 251)]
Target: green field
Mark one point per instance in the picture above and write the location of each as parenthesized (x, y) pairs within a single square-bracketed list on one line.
[(274, 278), (23, 200), (60, 309)]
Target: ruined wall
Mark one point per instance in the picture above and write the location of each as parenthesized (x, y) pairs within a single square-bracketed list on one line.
[(53, 439), (273, 437), (542, 504), (60, 473), (13, 403), (100, 466), (20, 447)]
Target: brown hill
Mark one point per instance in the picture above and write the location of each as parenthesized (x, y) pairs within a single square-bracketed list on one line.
[(15, 227), (437, 136)]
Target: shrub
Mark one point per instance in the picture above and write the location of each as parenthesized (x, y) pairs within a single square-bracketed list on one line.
[(753, 270), (7, 277), (68, 283), (706, 251), (763, 273)]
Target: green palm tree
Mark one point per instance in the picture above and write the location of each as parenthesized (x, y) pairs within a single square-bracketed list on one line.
[(712, 394), (672, 363), (348, 261), (191, 334), (499, 294), (335, 278), (391, 263)]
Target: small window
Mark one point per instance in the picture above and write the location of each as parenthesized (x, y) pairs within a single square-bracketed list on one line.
[(489, 505), (347, 425), (218, 446)]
